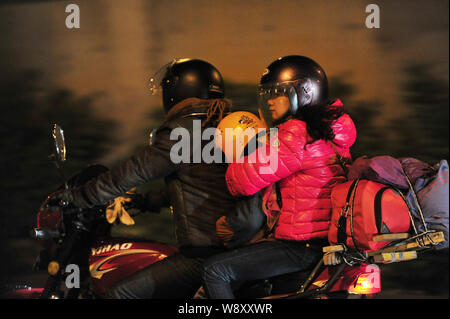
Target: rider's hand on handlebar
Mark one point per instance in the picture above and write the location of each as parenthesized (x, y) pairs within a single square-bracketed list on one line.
[(149, 202), (60, 198), (74, 197)]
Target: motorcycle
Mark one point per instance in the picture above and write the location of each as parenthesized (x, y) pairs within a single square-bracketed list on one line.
[(78, 242)]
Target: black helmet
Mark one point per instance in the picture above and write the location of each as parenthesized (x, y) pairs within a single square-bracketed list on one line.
[(185, 78), (299, 78)]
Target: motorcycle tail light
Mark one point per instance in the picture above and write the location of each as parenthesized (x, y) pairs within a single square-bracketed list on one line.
[(367, 283)]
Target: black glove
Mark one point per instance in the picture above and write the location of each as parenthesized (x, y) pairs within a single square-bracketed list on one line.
[(151, 201), (66, 197)]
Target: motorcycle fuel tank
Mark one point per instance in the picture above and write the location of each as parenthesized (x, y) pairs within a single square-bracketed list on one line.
[(112, 260)]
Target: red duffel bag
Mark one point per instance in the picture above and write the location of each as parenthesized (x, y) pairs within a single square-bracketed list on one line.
[(362, 209)]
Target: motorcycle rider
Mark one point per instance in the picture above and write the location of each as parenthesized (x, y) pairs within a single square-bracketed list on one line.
[(192, 91), (313, 133)]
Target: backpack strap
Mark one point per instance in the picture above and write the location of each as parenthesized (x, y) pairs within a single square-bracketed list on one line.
[(377, 209), (351, 213), (342, 222), (343, 162)]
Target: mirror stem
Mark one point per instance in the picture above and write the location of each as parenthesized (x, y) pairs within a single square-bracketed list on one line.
[(58, 167)]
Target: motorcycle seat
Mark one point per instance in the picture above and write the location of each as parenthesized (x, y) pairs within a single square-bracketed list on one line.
[(282, 284)]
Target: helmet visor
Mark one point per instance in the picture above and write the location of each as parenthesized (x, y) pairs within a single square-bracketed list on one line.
[(269, 92), (156, 80)]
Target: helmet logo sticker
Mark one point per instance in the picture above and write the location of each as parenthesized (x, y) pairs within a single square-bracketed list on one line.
[(246, 120)]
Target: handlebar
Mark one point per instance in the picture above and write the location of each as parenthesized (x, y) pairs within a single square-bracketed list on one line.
[(56, 202), (67, 208)]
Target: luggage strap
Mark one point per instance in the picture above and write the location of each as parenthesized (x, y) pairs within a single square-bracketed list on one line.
[(417, 202), (420, 238)]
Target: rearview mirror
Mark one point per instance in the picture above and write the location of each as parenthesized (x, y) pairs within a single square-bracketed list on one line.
[(60, 145)]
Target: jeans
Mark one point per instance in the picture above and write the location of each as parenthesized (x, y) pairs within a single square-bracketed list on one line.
[(176, 276), (259, 261)]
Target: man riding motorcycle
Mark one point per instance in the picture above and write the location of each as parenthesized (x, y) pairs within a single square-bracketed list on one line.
[(192, 90)]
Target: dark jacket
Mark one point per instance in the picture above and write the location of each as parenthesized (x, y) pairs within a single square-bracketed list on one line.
[(198, 192)]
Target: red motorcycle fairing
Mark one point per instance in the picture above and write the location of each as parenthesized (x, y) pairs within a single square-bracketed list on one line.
[(114, 259)]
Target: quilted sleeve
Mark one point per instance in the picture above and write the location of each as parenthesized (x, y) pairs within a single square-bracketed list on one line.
[(282, 157)]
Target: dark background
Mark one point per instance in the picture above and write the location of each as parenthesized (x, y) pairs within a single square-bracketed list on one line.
[(92, 81)]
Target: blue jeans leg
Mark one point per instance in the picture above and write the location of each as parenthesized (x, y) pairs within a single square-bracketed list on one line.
[(254, 262)]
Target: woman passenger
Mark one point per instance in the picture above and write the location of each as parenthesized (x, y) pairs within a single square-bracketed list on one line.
[(313, 133)]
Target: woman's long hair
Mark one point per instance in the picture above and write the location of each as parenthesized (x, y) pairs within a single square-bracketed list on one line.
[(319, 120)]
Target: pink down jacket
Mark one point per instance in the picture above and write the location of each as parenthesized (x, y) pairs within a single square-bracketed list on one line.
[(306, 174)]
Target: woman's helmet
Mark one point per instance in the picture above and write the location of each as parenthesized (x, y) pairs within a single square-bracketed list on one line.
[(299, 78), (184, 78), (239, 133)]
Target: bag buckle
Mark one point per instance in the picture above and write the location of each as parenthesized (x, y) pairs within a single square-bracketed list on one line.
[(345, 209)]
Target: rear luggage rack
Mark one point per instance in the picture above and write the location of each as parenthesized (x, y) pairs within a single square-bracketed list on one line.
[(402, 248)]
